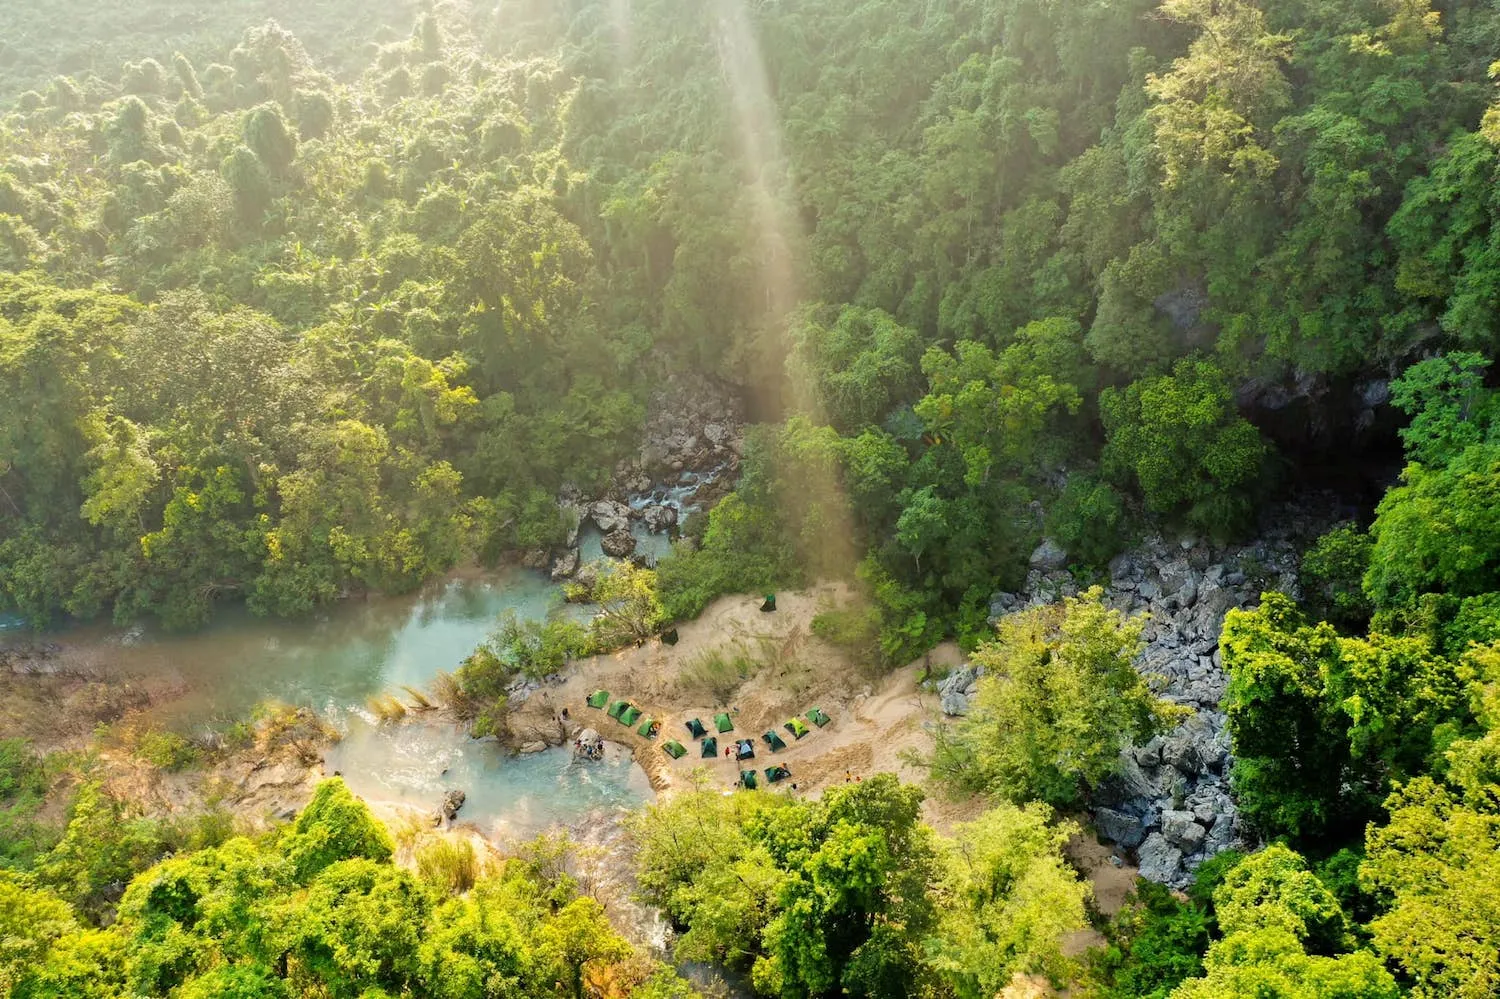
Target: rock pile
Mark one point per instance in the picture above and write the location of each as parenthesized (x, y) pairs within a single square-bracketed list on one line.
[(689, 458), (1170, 802)]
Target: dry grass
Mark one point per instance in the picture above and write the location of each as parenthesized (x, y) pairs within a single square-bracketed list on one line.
[(420, 701), (386, 708), (450, 863)]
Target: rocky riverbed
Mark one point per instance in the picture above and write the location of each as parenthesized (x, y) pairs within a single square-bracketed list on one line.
[(688, 459), (1171, 804)]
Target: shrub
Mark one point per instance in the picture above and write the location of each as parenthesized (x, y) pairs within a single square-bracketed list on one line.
[(166, 750)]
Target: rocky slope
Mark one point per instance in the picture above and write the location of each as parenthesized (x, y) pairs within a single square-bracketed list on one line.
[(1171, 803), (689, 458)]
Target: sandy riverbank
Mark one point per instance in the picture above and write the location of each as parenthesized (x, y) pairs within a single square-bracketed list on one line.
[(876, 716)]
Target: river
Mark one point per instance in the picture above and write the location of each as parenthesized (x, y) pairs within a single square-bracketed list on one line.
[(335, 661)]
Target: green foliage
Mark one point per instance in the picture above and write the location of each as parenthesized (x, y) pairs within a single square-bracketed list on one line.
[(24, 782), (1322, 724), (628, 609), (101, 849), (853, 889), (1436, 532), (1059, 698), (1332, 577), (1180, 440), (1089, 521), (1281, 931), (237, 920), (1156, 942), (1007, 900), (335, 826), (166, 750)]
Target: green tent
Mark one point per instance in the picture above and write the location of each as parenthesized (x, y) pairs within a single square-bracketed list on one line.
[(776, 773), (695, 728), (817, 717), (629, 715), (616, 708), (773, 740), (797, 727), (747, 780), (710, 747), (674, 749), (598, 698), (722, 722), (648, 728)]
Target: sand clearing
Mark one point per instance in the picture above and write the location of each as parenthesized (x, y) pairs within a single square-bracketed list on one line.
[(875, 715)]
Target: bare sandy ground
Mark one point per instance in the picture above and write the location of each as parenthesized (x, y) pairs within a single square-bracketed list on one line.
[(876, 716)]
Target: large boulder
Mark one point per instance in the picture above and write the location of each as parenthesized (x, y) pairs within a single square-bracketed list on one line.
[(1119, 827), (453, 800), (618, 544), (1159, 860), (659, 519), (1049, 556), (1182, 830), (954, 704), (565, 565), (610, 516)]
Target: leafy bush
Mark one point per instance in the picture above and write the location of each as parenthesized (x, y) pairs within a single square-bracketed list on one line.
[(1332, 577), (719, 672), (1179, 439), (166, 750), (1088, 520)]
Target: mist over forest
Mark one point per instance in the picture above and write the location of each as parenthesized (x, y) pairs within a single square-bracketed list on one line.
[(1015, 319)]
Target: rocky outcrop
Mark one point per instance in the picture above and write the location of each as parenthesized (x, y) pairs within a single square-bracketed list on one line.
[(688, 460), (453, 800), (610, 516), (1170, 801), (957, 688), (565, 565), (659, 518), (618, 544)]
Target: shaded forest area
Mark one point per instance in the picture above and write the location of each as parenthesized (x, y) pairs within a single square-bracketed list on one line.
[(275, 337), (278, 325)]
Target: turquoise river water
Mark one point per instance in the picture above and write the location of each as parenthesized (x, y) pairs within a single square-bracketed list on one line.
[(336, 661)]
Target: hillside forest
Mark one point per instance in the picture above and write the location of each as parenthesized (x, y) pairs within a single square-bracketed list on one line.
[(334, 303)]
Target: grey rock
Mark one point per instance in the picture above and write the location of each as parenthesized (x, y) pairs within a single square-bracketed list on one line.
[(1049, 555), (1133, 781), (610, 516), (1183, 755), (954, 704), (1002, 604), (1119, 827), (565, 565), (453, 800), (1159, 860), (1182, 830), (1149, 755), (959, 681), (618, 544), (659, 519), (527, 748)]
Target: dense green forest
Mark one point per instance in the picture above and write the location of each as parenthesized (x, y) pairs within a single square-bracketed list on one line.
[(289, 316)]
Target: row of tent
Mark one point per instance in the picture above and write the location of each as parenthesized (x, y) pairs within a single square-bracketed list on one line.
[(626, 714)]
